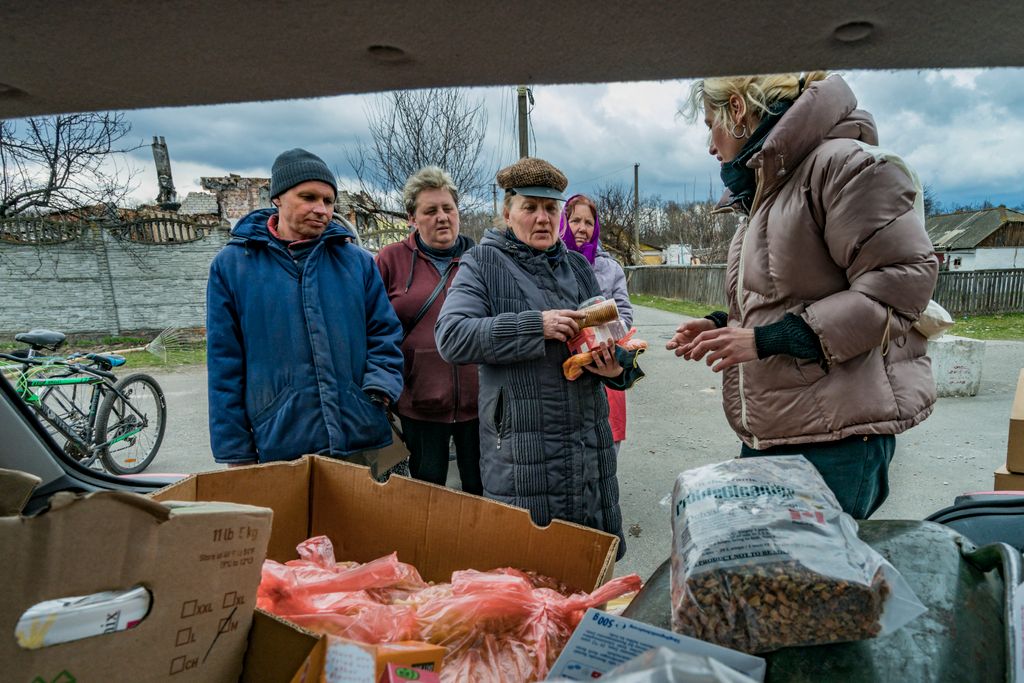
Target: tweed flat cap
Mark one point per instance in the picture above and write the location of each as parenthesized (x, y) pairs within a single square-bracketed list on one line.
[(533, 177)]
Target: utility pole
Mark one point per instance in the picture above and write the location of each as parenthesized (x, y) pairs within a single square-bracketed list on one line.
[(524, 138), (494, 200), (636, 206)]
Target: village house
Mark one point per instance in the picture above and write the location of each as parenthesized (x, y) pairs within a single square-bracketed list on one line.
[(978, 240)]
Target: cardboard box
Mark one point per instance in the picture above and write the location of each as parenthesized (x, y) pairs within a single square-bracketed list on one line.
[(337, 660), (1008, 481), (199, 563), (1015, 441), (435, 529), (603, 641), (396, 673)]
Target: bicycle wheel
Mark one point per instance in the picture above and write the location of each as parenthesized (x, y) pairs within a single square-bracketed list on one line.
[(134, 428)]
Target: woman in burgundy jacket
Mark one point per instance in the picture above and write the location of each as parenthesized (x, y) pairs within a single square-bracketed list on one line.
[(439, 401)]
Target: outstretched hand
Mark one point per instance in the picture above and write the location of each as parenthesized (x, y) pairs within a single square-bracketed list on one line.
[(721, 348), (686, 333)]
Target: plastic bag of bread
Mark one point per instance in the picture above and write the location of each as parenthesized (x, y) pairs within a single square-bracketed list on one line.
[(763, 557), (601, 324)]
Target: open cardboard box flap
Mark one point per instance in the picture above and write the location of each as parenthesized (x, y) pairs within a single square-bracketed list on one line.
[(1015, 441), (200, 564), (436, 529), (15, 490)]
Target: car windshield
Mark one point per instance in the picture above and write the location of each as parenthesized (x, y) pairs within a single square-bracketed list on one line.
[(117, 259)]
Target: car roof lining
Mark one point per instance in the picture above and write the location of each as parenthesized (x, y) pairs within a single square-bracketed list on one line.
[(108, 54)]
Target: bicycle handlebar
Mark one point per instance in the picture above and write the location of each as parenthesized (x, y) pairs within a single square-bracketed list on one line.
[(77, 367)]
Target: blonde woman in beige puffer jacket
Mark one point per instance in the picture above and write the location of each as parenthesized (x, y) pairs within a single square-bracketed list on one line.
[(825, 280)]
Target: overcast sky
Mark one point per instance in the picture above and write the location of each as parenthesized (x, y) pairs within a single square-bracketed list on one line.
[(963, 130)]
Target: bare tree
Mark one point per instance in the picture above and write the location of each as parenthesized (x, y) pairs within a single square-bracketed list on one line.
[(415, 128), (61, 162), (932, 205), (475, 222), (615, 208), (697, 225)]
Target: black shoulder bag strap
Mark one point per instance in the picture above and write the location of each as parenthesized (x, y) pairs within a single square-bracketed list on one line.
[(431, 299)]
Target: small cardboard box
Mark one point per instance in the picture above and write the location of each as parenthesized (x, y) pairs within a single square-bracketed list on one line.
[(337, 660), (199, 563), (396, 673), (1015, 442), (435, 529), (1008, 481)]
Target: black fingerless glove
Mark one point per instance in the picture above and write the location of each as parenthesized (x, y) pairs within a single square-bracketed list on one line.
[(791, 336)]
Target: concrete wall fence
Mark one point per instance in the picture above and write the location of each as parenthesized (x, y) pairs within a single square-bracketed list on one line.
[(979, 292), (102, 282)]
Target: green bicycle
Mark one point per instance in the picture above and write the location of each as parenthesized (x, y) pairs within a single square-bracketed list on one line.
[(119, 423)]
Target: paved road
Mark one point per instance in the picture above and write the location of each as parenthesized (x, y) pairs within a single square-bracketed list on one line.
[(676, 422)]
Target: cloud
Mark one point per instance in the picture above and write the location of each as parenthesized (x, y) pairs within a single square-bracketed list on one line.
[(962, 129)]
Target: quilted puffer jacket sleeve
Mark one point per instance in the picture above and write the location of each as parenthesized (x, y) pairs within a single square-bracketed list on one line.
[(873, 231), (468, 331)]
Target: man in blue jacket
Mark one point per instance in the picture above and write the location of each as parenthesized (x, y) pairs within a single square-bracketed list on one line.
[(302, 344)]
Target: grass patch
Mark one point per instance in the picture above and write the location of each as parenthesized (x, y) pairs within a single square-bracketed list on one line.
[(192, 350), (116, 341), (1007, 326), (176, 358), (690, 308)]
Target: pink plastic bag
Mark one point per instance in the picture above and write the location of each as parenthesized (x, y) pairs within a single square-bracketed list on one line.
[(501, 625), (287, 588)]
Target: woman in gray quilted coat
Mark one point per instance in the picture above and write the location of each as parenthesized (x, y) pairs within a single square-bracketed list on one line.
[(545, 442), (824, 281)]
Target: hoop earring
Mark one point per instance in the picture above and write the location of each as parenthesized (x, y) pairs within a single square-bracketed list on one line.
[(741, 135)]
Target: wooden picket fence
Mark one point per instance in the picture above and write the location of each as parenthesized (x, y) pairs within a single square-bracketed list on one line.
[(978, 292), (700, 284)]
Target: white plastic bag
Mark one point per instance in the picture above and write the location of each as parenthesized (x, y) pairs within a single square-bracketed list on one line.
[(662, 665), (763, 557), (934, 321)]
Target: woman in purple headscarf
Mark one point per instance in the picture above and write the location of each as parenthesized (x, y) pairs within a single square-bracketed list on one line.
[(580, 229)]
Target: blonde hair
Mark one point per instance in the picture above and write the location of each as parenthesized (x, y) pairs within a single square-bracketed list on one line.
[(427, 178), (757, 92)]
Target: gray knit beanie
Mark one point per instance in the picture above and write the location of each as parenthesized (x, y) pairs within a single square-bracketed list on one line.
[(297, 166)]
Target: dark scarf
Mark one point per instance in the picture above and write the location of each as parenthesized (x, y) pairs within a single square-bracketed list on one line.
[(737, 176), (555, 253), (459, 246)]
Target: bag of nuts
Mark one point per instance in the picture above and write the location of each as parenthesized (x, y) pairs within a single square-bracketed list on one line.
[(763, 557)]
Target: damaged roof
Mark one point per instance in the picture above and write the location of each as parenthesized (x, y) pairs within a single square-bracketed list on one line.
[(968, 229)]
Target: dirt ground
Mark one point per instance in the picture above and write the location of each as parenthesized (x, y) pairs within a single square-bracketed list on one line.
[(676, 422)]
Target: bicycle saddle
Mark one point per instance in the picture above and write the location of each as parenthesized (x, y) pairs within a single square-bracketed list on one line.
[(42, 339), (106, 360)]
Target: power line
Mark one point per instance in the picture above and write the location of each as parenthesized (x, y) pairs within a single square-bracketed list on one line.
[(603, 175), (533, 131), (513, 124), (499, 152)]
